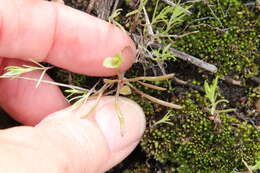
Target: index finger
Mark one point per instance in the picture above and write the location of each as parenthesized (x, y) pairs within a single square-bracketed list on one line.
[(62, 36)]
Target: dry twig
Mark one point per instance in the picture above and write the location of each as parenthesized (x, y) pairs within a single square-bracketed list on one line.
[(229, 80), (255, 79), (185, 83), (186, 57)]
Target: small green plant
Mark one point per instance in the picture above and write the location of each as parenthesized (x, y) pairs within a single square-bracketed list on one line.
[(121, 85), (212, 93), (165, 119), (112, 19), (15, 71), (161, 18), (195, 144), (162, 54), (139, 9)]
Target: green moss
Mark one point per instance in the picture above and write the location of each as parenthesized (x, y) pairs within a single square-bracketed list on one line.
[(254, 94), (228, 37), (138, 168), (70, 78), (196, 143)]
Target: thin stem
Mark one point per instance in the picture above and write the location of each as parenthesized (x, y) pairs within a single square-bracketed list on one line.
[(41, 77), (225, 111), (158, 101), (54, 83), (118, 110), (148, 78), (148, 23), (101, 91), (152, 86)]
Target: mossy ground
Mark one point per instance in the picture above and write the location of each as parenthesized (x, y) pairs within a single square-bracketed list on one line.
[(228, 37)]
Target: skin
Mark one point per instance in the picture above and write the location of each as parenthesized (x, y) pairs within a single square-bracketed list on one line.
[(56, 139)]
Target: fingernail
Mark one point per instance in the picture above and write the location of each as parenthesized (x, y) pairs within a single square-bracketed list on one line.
[(133, 127)]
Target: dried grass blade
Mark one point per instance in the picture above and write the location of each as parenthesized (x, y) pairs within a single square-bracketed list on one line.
[(119, 113), (41, 77), (101, 91), (110, 81), (147, 78), (151, 78), (152, 86), (158, 101)]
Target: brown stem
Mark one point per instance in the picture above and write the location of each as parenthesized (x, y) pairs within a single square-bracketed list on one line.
[(158, 101), (148, 78), (186, 57)]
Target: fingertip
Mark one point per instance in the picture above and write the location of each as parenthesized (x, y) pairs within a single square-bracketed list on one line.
[(89, 42), (96, 143), (121, 134), (121, 138), (63, 36)]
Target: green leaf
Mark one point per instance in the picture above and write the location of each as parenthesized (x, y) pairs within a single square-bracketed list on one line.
[(207, 90), (15, 71), (113, 62), (115, 14), (215, 84), (132, 13)]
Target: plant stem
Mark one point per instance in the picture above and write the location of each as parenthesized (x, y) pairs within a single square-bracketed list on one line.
[(148, 78), (54, 83), (152, 86), (100, 94), (158, 101)]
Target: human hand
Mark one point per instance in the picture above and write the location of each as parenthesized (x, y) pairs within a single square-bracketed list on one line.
[(62, 142)]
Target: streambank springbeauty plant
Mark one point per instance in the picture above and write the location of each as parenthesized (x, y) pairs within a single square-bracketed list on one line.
[(15, 71), (119, 86)]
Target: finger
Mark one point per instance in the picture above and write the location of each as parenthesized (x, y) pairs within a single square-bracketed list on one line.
[(88, 145), (62, 36), (26, 103), (1, 68)]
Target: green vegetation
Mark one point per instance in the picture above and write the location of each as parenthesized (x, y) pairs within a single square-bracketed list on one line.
[(223, 33), (197, 144), (212, 94), (228, 36)]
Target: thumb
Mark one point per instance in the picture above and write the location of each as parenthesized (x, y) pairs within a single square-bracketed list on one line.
[(94, 144)]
